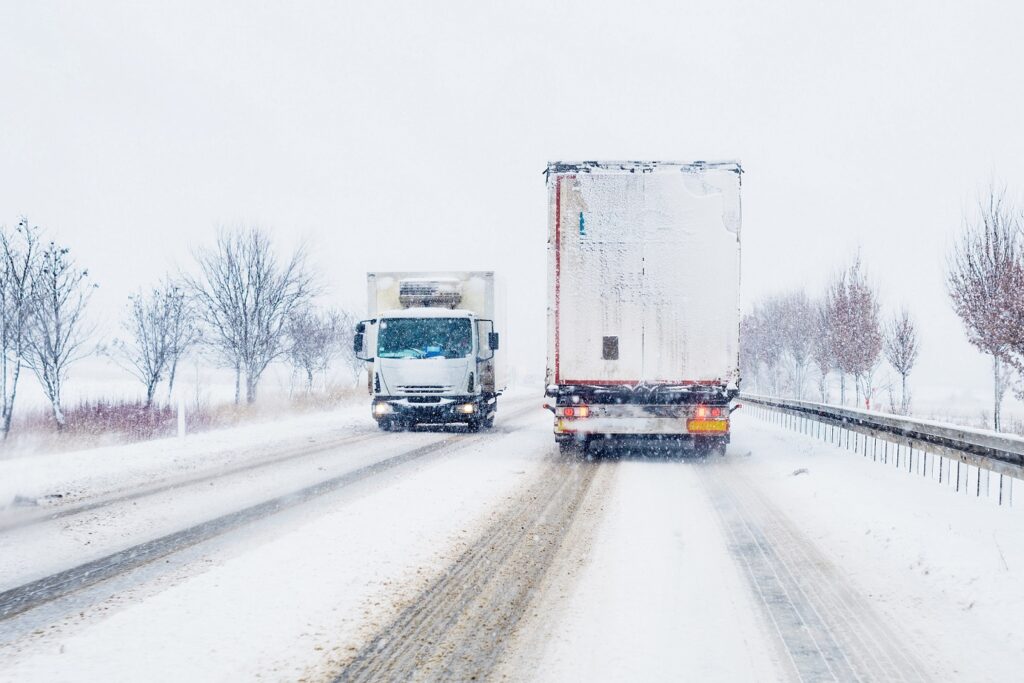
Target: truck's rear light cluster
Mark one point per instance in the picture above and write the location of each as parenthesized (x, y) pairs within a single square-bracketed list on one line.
[(704, 412), (575, 411), (709, 419)]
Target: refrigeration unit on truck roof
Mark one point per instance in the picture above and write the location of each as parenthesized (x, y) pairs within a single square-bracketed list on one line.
[(643, 305), (430, 292)]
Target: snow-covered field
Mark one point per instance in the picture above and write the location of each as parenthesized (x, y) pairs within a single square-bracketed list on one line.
[(69, 475), (656, 568)]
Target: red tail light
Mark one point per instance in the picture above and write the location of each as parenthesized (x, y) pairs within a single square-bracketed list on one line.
[(576, 411), (715, 412)]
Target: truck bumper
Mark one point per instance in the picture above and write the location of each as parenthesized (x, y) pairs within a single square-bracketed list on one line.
[(443, 410), (643, 420)]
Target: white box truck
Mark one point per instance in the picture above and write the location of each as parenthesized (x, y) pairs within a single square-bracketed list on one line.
[(643, 300), (432, 342)]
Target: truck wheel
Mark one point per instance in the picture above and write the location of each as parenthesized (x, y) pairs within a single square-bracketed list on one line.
[(573, 447), (710, 448), (489, 421)]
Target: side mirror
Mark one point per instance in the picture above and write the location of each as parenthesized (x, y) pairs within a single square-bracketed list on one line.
[(357, 341), (360, 328), (492, 340)]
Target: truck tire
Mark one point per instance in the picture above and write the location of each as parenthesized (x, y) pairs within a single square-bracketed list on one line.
[(573, 447), (710, 447)]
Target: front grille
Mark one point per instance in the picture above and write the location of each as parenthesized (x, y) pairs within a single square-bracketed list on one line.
[(424, 399), (424, 388)]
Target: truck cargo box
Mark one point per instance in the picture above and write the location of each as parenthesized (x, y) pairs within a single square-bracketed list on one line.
[(643, 263)]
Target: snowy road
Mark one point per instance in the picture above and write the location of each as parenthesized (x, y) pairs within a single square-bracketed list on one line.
[(337, 553)]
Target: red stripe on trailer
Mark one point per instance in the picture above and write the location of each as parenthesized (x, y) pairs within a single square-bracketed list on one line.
[(558, 269), (684, 382)]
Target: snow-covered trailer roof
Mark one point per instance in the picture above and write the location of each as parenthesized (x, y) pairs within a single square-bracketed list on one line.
[(556, 167)]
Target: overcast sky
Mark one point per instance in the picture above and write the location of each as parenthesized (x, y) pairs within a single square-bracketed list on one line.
[(412, 136)]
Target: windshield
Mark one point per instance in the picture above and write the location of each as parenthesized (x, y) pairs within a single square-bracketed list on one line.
[(424, 338)]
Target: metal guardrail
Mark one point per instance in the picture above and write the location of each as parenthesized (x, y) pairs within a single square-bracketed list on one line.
[(998, 453)]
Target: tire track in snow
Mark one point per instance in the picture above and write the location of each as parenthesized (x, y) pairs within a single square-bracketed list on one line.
[(178, 483), (27, 596), (825, 627), (458, 627)]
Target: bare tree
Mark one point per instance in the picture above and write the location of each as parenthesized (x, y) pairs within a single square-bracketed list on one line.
[(750, 349), (797, 328), (984, 278), (245, 296), (182, 331), (821, 350), (346, 332), (19, 266), (865, 329), (157, 334), (836, 311), (765, 345), (56, 330), (901, 349), (854, 329), (313, 341)]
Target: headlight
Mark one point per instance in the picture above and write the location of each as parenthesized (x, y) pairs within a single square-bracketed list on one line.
[(466, 408), (381, 409)]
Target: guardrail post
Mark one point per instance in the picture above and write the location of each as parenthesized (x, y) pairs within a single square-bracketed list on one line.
[(1003, 456)]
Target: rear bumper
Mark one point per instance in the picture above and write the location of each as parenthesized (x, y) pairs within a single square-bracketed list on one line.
[(643, 420)]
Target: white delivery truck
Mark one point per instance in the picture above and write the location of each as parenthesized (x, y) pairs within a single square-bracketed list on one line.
[(432, 343), (643, 300)]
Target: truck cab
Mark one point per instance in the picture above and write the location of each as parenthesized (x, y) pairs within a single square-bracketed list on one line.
[(431, 361)]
